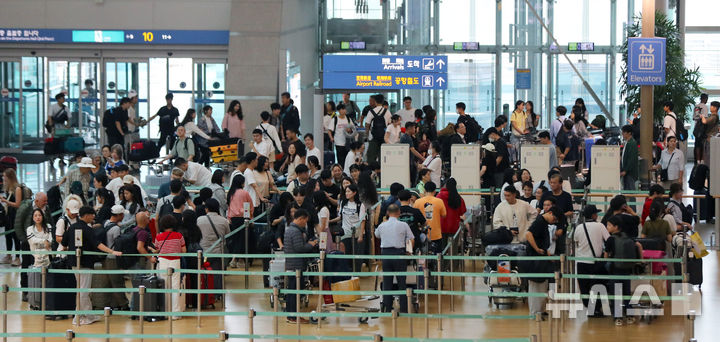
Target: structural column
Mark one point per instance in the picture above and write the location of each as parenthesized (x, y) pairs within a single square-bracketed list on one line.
[(646, 96)]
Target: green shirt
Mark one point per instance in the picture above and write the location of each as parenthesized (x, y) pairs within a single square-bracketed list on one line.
[(656, 229)]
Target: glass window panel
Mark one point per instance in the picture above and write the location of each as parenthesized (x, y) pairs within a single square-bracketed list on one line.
[(467, 20), (471, 80), (701, 51), (577, 21), (702, 13)]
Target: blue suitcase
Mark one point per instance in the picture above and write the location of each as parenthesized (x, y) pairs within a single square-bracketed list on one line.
[(74, 144)]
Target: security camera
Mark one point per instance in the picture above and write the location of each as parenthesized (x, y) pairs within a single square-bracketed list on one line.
[(170, 53), (33, 53)]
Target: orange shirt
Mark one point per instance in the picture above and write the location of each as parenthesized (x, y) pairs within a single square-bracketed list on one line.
[(434, 210)]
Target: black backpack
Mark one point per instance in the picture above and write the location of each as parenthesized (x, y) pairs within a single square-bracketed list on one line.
[(127, 244), (472, 128), (698, 175), (165, 209), (378, 125), (624, 249), (61, 116), (108, 119), (196, 147), (101, 233), (686, 210), (499, 236), (680, 132)]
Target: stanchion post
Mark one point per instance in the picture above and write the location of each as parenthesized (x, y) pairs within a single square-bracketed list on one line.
[(222, 267), (69, 335), (223, 336), (426, 304), (565, 285), (559, 290), (141, 305), (394, 322), (107, 312), (377, 338), (439, 285), (298, 274), (78, 254), (321, 267), (352, 242), (168, 298), (452, 278), (276, 308), (408, 295), (538, 321), (251, 325), (198, 296), (247, 260), (43, 305), (5, 289)]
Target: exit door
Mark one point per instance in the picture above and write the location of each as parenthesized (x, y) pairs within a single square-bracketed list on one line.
[(11, 106)]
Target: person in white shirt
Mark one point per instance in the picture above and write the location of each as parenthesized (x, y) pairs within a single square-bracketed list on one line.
[(339, 126), (260, 146), (373, 153), (392, 134), (407, 113), (195, 173), (356, 152), (514, 214), (310, 147), (72, 209), (589, 239), (270, 134), (250, 184), (59, 113), (557, 124), (434, 163), (669, 121), (121, 179)]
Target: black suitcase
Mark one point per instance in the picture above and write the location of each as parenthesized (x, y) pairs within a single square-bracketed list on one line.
[(54, 146), (707, 206), (143, 150), (60, 300), (152, 301), (694, 268), (328, 159)]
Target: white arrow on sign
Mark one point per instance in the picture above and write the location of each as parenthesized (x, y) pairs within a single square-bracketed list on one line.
[(440, 81), (650, 49), (643, 48), (440, 64)]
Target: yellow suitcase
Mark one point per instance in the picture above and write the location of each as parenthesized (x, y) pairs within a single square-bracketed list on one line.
[(224, 159), (231, 147)]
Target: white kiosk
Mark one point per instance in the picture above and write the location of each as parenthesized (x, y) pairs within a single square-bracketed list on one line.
[(605, 167), (465, 168), (394, 161), (536, 159)]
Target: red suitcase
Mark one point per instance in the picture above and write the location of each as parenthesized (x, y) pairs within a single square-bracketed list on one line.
[(207, 300)]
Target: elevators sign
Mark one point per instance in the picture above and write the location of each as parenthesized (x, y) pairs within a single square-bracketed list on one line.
[(605, 167), (394, 163), (536, 159)]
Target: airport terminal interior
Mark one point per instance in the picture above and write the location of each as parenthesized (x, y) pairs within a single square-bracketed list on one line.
[(359, 170)]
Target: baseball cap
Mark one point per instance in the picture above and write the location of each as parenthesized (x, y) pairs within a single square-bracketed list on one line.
[(117, 209), (132, 93), (590, 210), (73, 206), (128, 179)]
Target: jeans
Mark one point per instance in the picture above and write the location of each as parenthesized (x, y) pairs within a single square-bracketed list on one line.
[(628, 182), (290, 299), (394, 265), (84, 281), (27, 260)]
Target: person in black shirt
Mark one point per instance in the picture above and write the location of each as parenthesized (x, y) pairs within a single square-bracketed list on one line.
[(116, 131), (564, 202), (539, 240), (86, 217), (169, 117), (409, 139), (502, 156), (289, 114), (412, 216), (331, 190), (568, 143)]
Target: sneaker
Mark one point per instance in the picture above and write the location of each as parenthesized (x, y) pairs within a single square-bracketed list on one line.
[(232, 264), (176, 318), (618, 322), (630, 320), (6, 259), (295, 320), (16, 262)]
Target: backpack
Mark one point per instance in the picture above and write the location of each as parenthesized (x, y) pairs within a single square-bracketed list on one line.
[(165, 209), (686, 210), (61, 116), (101, 233), (624, 249), (108, 119), (499, 236), (126, 243), (698, 175), (26, 192), (473, 129), (680, 132), (196, 150), (699, 131), (378, 125)]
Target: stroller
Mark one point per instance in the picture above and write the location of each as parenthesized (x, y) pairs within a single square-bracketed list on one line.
[(504, 284)]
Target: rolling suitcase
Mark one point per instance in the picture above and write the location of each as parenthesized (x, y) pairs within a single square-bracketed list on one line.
[(207, 282), (35, 298), (143, 150), (152, 301), (73, 144), (60, 300)]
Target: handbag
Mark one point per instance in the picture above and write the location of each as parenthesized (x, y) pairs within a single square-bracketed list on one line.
[(225, 250), (664, 172)]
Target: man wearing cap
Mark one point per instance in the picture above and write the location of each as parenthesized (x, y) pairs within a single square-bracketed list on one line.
[(123, 178), (589, 239), (133, 126), (115, 300), (87, 262), (81, 174), (168, 114), (72, 209)]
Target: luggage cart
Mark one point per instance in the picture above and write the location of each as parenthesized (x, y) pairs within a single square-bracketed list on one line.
[(345, 306), (278, 265), (504, 284)]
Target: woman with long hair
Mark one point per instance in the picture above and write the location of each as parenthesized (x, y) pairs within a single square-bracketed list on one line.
[(240, 208), (12, 196), (353, 218), (276, 217), (533, 119), (322, 208), (131, 199), (455, 208), (233, 121), (195, 133), (39, 238), (523, 176), (116, 158), (367, 189), (580, 123), (264, 179), (296, 156), (104, 200), (655, 226), (218, 190), (580, 102)]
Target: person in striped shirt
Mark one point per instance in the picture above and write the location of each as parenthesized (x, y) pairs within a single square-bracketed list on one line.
[(170, 241)]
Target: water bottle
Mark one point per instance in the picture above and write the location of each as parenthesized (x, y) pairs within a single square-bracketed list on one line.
[(712, 239)]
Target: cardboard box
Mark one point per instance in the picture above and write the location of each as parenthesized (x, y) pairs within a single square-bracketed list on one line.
[(346, 285)]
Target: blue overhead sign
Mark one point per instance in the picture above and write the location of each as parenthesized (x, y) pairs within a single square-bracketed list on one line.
[(646, 61), (523, 79), (146, 37), (377, 72), (381, 63)]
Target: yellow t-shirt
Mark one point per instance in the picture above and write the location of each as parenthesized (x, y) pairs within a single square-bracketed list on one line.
[(520, 120), (434, 210)]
